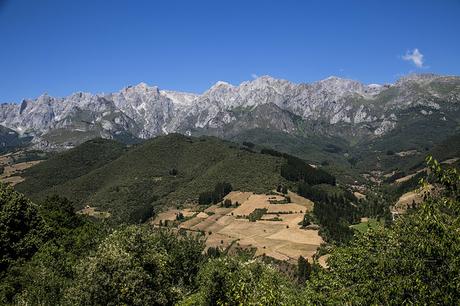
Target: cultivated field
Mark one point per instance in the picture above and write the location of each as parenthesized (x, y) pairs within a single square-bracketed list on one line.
[(282, 239)]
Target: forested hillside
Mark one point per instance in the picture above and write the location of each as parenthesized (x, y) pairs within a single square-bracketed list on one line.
[(60, 258), (130, 182)]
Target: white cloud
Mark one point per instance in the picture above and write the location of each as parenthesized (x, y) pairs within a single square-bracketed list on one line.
[(416, 57), (254, 76)]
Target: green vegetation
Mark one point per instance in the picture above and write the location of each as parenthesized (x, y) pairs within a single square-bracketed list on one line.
[(215, 196), (22, 229), (137, 266), (415, 261), (41, 244), (131, 183), (363, 227), (296, 169), (232, 281), (334, 210), (257, 214), (303, 269), (72, 164), (307, 220), (60, 258)]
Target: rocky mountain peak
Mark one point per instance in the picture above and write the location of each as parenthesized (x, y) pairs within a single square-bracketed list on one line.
[(145, 111)]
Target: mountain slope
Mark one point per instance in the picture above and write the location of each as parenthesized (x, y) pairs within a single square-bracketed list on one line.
[(130, 185), (10, 140), (74, 163)]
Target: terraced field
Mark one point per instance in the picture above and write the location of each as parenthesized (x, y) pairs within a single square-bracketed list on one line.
[(276, 234)]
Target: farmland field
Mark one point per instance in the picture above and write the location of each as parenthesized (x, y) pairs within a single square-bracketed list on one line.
[(276, 234)]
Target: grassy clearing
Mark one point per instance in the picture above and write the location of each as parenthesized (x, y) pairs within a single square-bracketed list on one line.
[(366, 224)]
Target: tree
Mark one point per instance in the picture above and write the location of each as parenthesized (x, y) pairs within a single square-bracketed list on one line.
[(22, 229), (227, 203), (137, 266), (180, 216), (414, 261), (303, 269), (235, 281), (215, 196), (284, 190), (307, 220), (59, 214)]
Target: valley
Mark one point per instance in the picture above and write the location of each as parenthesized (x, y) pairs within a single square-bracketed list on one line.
[(217, 153)]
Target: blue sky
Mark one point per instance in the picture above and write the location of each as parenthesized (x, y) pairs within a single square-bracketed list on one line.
[(64, 46)]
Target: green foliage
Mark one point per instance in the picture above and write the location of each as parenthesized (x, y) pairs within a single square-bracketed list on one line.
[(303, 269), (367, 225), (180, 216), (257, 214), (376, 205), (232, 281), (72, 164), (307, 220), (133, 185), (215, 196), (296, 169), (137, 266), (282, 189), (63, 258), (334, 210), (42, 279), (414, 261), (22, 229), (213, 252), (59, 214), (227, 203), (248, 144)]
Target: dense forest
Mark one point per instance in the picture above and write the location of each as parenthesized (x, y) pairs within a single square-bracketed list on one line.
[(52, 256)]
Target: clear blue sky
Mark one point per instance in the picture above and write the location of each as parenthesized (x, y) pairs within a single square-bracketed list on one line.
[(63, 46)]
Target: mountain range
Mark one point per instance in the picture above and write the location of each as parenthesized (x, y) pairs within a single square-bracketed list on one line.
[(333, 107)]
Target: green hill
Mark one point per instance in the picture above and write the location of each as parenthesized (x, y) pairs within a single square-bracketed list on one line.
[(129, 182), (74, 163)]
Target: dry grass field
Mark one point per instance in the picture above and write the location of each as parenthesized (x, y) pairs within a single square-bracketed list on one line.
[(171, 214), (224, 227), (407, 199), (12, 171)]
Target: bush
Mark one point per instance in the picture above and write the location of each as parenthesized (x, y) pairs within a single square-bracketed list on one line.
[(233, 281), (227, 203), (22, 229), (137, 266), (257, 214)]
